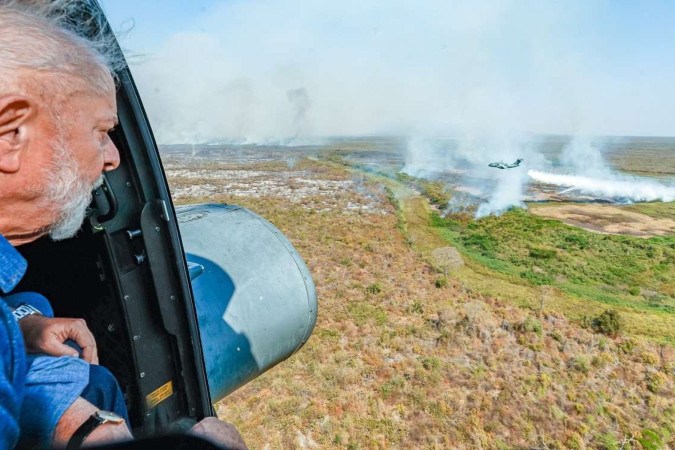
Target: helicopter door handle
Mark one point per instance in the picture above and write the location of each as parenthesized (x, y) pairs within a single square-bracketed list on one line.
[(111, 199)]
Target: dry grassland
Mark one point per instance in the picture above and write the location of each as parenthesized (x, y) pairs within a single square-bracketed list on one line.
[(402, 357), (608, 219)]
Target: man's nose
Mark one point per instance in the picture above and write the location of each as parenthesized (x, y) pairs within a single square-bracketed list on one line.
[(112, 157)]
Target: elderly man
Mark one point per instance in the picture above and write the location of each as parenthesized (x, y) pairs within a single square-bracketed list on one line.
[(57, 104)]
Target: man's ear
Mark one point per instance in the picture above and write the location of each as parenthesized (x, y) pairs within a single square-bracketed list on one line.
[(15, 110)]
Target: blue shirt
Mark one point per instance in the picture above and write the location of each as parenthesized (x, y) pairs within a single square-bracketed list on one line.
[(13, 358), (45, 386)]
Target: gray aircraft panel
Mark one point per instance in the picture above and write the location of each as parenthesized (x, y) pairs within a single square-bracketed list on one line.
[(255, 298)]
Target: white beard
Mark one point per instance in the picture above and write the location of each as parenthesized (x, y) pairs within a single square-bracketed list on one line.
[(69, 192)]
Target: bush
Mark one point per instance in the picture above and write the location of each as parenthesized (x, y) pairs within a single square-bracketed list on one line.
[(627, 346), (576, 240), (580, 364), (543, 253), (648, 357), (607, 442), (609, 323), (374, 288), (431, 363), (436, 192), (441, 282), (530, 325), (656, 381)]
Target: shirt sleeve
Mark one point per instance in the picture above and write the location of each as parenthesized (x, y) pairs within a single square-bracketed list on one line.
[(12, 372), (52, 386)]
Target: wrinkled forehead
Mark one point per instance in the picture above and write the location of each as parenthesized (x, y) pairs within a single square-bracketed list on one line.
[(66, 97)]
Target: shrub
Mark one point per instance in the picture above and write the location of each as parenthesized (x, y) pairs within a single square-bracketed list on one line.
[(577, 240), (580, 364), (543, 253), (556, 336), (441, 282), (607, 442), (602, 360), (627, 346), (431, 363), (530, 325), (648, 357), (609, 323), (374, 288), (436, 192), (655, 381)]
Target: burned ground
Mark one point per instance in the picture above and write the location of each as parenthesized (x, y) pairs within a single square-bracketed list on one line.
[(406, 356)]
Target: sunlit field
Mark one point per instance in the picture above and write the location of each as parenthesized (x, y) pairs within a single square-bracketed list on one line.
[(436, 330)]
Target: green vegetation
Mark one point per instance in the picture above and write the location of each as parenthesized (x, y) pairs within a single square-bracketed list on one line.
[(650, 440), (408, 355), (544, 264), (609, 323), (617, 270), (435, 191), (441, 282)]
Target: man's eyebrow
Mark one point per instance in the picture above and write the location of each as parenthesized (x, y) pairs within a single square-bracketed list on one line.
[(112, 119)]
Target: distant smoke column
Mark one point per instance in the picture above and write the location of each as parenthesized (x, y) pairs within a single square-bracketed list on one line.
[(508, 193), (424, 156), (299, 99), (584, 157)]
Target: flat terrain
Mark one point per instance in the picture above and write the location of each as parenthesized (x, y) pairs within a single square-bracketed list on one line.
[(428, 334), (607, 219)]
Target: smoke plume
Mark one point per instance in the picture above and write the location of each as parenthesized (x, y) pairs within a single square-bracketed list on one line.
[(616, 188), (222, 70)]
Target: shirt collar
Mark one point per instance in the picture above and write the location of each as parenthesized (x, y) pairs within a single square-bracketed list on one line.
[(12, 266)]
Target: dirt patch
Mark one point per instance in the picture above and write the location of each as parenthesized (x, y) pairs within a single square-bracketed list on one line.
[(608, 219)]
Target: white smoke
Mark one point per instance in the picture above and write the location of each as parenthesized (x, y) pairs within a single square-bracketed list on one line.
[(405, 68), (508, 193), (464, 162), (615, 188), (482, 71), (591, 175), (584, 157), (581, 171), (425, 157)]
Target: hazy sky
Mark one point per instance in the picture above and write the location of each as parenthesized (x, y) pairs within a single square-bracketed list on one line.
[(266, 70)]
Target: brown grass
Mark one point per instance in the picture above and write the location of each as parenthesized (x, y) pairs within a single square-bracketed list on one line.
[(607, 219), (412, 365)]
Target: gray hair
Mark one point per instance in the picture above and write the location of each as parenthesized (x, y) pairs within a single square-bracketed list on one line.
[(42, 37)]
